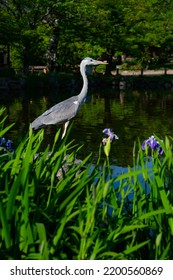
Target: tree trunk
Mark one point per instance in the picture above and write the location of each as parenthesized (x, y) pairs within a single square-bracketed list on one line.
[(52, 51), (109, 58), (25, 60)]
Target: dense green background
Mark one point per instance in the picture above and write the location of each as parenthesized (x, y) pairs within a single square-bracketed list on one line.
[(106, 28)]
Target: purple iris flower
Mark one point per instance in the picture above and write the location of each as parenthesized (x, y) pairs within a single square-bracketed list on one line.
[(2, 141), (108, 132), (153, 143), (7, 145)]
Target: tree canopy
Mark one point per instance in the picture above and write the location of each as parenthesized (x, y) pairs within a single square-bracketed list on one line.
[(59, 32)]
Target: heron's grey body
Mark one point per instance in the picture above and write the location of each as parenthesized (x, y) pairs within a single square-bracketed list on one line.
[(64, 111), (58, 112)]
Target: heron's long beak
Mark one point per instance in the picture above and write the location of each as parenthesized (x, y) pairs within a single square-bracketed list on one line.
[(98, 62)]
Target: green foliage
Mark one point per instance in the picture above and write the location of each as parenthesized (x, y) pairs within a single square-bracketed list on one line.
[(147, 33), (83, 213), (83, 28), (8, 28)]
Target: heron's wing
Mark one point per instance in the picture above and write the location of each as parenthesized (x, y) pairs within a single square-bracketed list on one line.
[(61, 112)]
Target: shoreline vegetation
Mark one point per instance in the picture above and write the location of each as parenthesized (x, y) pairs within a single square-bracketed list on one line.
[(122, 80), (84, 215)]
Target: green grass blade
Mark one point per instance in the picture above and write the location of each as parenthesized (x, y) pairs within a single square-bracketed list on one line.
[(5, 226), (136, 247), (43, 248)]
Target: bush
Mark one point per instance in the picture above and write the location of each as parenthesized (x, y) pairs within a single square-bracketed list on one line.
[(86, 213)]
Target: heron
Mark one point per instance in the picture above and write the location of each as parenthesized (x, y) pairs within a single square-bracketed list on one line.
[(66, 110)]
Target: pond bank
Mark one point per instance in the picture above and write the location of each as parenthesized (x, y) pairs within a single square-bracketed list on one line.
[(146, 82), (123, 81)]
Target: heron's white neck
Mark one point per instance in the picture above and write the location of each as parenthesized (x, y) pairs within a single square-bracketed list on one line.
[(83, 93)]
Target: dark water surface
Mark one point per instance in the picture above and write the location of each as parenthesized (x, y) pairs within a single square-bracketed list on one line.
[(131, 114)]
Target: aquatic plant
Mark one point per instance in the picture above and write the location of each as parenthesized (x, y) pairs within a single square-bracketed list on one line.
[(6, 144), (109, 133), (88, 216), (153, 144), (109, 137)]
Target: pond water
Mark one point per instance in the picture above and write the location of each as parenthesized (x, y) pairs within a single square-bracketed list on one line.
[(131, 114)]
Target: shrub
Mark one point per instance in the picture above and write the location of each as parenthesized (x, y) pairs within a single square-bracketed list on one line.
[(87, 213)]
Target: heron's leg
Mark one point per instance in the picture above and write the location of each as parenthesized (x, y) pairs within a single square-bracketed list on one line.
[(65, 129)]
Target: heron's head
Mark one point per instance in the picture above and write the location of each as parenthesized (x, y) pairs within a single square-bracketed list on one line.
[(91, 61)]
